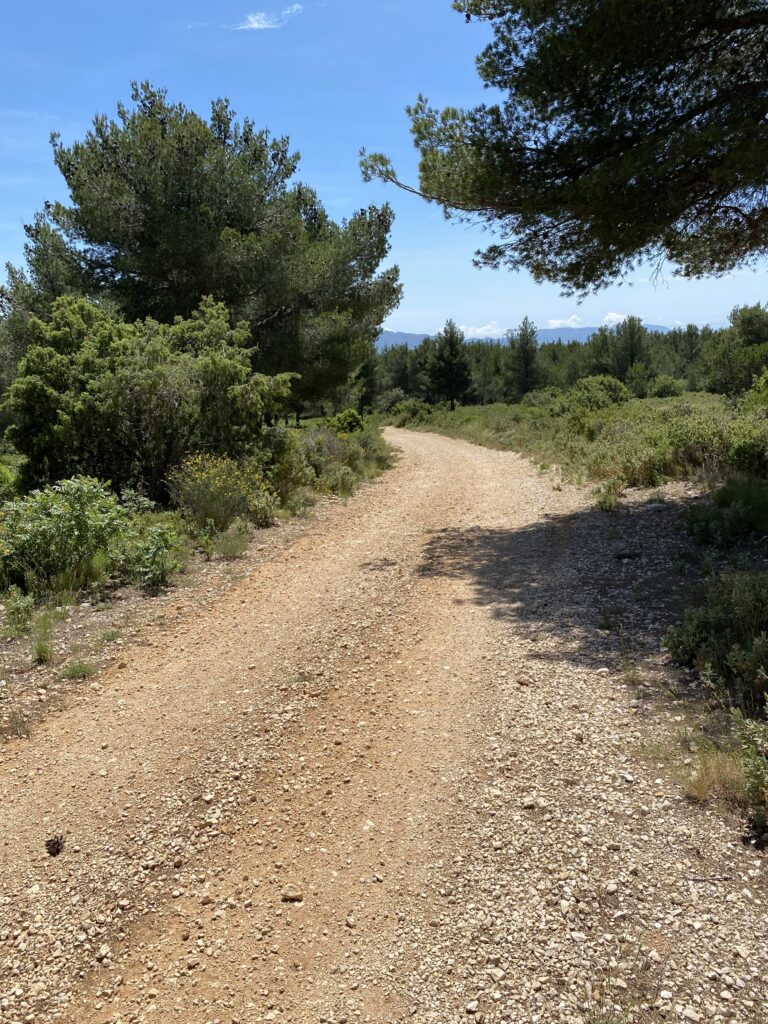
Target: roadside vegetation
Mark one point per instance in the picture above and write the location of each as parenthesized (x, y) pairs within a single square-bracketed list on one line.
[(150, 365)]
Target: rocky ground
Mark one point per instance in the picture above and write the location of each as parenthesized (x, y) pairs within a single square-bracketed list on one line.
[(399, 771)]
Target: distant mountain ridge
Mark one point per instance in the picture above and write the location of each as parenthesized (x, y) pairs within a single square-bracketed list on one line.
[(388, 339)]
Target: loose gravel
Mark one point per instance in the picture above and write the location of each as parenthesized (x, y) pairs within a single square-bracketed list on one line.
[(396, 773)]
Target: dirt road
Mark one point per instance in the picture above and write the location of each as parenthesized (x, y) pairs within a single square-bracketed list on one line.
[(396, 774)]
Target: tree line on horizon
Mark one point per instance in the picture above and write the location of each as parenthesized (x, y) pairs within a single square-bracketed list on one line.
[(448, 368)]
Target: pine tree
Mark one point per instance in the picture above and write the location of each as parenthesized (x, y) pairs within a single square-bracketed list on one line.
[(449, 374), (522, 374)]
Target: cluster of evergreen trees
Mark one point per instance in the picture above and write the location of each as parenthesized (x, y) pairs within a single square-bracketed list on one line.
[(181, 234), (448, 368)]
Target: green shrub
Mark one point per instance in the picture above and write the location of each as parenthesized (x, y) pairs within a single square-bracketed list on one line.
[(8, 482), (411, 413), (727, 638), (59, 538), (233, 543), (128, 402), (666, 387), (386, 402), (215, 490), (739, 507), (78, 669), (708, 524), (598, 392), (42, 638), (289, 470), (19, 610), (753, 741), (347, 422), (153, 553)]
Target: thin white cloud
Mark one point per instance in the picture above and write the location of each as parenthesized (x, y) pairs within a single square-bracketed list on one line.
[(261, 20), (571, 321), (614, 319), (491, 330)]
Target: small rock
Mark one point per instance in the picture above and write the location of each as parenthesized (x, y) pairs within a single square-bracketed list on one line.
[(292, 894)]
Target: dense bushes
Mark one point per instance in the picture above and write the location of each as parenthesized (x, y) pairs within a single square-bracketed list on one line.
[(78, 534), (737, 509), (726, 637), (594, 393), (215, 490), (129, 402)]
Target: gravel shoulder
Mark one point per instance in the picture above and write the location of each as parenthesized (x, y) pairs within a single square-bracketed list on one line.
[(399, 772)]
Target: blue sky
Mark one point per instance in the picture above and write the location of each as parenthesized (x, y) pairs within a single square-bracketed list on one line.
[(333, 74)]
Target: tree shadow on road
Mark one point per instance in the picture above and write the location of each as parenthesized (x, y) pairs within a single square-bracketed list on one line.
[(581, 587)]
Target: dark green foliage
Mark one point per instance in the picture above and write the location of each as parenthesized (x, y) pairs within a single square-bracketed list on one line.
[(735, 356), (625, 131), (727, 637), (738, 508), (666, 387), (600, 392), (521, 373), (167, 208), (128, 402), (448, 369)]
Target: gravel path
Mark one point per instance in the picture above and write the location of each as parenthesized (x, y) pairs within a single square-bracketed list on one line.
[(393, 775)]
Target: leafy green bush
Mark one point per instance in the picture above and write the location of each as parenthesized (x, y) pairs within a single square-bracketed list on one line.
[(289, 469), (8, 482), (709, 524), (215, 490), (727, 638), (666, 387), (60, 537), (753, 741), (598, 392), (153, 550), (387, 401), (410, 413), (129, 402), (347, 422), (738, 508), (19, 609)]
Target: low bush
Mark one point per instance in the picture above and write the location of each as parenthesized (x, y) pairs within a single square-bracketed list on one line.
[(411, 413), (737, 509), (386, 402), (59, 538), (289, 469), (666, 387), (78, 669), (76, 535), (215, 490), (153, 551), (233, 543), (599, 392), (347, 422), (19, 610), (726, 638)]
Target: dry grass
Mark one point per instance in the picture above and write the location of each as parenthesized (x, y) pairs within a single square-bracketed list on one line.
[(717, 775)]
